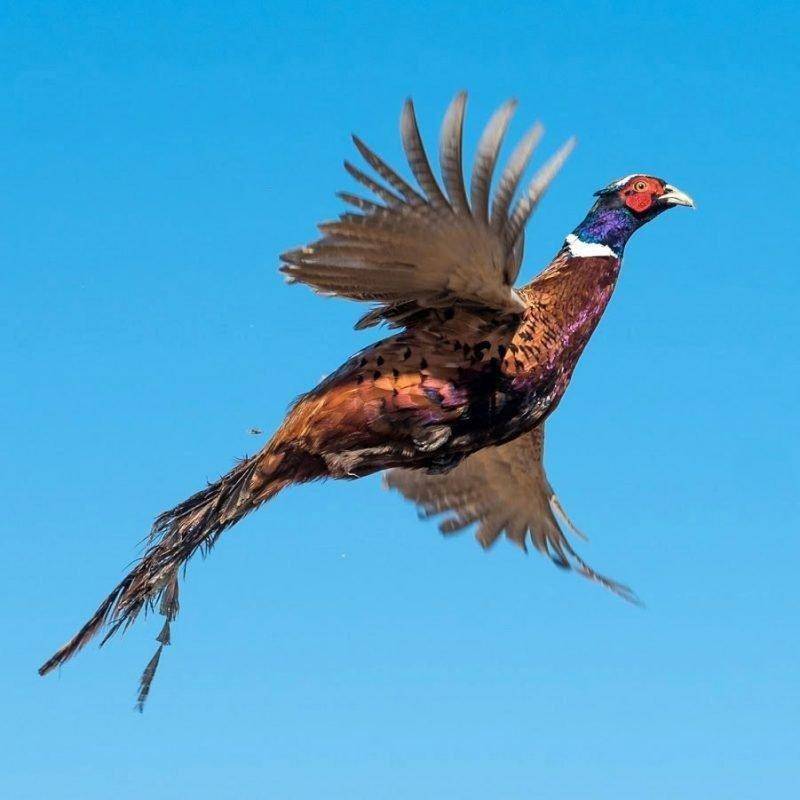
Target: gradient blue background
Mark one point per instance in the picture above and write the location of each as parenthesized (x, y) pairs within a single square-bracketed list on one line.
[(155, 160)]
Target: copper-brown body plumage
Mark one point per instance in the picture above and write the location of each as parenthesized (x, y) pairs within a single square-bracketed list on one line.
[(453, 404), (429, 397)]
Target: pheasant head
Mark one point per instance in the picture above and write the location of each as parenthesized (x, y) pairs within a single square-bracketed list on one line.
[(623, 207)]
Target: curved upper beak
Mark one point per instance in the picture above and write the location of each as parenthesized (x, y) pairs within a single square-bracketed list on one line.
[(675, 197)]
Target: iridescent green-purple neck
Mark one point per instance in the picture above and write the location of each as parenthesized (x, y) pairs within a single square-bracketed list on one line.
[(611, 226)]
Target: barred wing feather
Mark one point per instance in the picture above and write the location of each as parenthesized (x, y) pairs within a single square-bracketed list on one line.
[(436, 245), (502, 490)]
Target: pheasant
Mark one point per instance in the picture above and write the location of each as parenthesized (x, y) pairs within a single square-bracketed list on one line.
[(453, 404)]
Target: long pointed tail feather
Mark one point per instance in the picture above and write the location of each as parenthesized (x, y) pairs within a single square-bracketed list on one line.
[(176, 536)]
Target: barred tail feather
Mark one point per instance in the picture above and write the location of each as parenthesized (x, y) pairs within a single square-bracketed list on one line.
[(176, 536)]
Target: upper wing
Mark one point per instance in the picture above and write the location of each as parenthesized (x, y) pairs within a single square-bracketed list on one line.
[(505, 490), (429, 247)]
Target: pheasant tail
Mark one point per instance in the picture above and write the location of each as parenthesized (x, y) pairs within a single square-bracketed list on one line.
[(176, 536)]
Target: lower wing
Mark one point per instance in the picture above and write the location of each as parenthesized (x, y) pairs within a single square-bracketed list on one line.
[(503, 490)]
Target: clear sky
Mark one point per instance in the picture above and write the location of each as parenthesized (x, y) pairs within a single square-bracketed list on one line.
[(156, 157)]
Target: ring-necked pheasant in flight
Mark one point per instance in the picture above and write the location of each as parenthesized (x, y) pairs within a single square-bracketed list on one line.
[(454, 404)]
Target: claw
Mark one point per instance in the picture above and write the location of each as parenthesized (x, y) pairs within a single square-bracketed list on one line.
[(555, 504)]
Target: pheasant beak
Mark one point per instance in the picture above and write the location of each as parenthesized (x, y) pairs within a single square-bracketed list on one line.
[(675, 197)]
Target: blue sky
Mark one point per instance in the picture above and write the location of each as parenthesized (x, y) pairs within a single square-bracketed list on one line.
[(155, 160)]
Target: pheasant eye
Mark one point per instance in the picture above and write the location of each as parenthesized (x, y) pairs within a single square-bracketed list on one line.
[(640, 186)]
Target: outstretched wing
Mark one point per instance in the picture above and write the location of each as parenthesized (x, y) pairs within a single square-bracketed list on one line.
[(504, 490), (430, 247)]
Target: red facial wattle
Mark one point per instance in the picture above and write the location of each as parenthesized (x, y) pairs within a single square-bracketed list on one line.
[(639, 201), (641, 192)]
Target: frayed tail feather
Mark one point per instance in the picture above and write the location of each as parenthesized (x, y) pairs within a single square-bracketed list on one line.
[(85, 634), (169, 609), (177, 535)]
